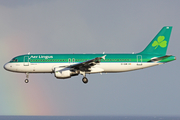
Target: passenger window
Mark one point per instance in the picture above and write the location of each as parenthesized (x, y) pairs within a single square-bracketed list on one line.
[(69, 60), (73, 60)]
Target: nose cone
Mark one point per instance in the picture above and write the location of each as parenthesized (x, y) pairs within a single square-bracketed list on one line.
[(9, 67), (6, 67)]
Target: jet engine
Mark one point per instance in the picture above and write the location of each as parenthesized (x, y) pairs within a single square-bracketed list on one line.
[(63, 73)]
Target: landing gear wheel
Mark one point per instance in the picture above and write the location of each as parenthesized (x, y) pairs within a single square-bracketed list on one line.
[(27, 76), (85, 80), (26, 80)]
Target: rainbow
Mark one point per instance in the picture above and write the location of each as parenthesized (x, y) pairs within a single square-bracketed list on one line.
[(18, 98)]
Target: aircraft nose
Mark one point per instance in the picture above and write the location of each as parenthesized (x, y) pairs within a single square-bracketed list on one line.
[(9, 67), (6, 66)]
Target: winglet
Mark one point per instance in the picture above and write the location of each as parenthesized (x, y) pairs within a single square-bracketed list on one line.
[(103, 57)]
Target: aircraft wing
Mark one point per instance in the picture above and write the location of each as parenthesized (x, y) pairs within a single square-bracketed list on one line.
[(84, 66)]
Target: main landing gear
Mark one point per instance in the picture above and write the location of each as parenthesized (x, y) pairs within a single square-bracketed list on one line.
[(27, 76), (85, 80)]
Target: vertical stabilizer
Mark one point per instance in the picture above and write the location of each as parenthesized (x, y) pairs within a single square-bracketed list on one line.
[(160, 42)]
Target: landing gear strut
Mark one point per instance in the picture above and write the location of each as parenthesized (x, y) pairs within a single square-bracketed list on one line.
[(27, 76)]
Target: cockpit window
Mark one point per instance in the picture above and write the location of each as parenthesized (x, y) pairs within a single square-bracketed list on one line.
[(14, 60)]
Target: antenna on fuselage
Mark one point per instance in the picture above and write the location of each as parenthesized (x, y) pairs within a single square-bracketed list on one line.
[(28, 53)]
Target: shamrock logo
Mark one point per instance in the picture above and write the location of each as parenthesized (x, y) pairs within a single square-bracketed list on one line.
[(160, 42)]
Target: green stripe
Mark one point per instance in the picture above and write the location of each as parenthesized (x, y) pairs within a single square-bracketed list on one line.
[(63, 58)]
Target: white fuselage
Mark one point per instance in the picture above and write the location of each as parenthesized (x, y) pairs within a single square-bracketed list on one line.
[(100, 67)]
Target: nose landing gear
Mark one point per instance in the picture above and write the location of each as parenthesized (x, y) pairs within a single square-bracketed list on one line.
[(27, 76), (26, 80)]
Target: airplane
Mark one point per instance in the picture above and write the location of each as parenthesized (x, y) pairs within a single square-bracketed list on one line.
[(67, 65)]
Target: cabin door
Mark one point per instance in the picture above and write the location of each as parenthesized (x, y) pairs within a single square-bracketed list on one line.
[(26, 60), (139, 59)]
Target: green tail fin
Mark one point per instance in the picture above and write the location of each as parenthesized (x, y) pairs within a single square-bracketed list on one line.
[(160, 42)]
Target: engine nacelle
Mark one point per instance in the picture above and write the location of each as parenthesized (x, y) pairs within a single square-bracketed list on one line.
[(63, 73)]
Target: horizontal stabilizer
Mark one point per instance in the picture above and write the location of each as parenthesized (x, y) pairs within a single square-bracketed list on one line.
[(159, 58)]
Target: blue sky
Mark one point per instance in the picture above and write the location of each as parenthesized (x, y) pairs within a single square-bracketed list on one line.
[(59, 26)]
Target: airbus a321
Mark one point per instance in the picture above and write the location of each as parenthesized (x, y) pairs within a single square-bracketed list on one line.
[(67, 65)]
